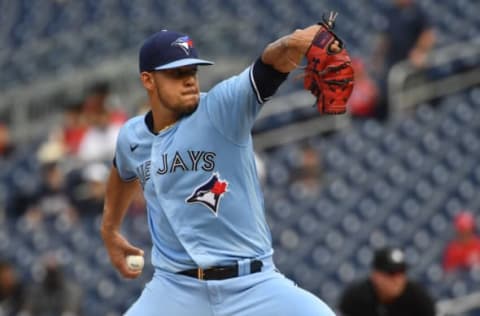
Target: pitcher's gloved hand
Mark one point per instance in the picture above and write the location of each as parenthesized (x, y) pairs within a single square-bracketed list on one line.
[(329, 74)]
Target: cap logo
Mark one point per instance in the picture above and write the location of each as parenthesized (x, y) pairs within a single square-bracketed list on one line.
[(184, 43), (397, 256)]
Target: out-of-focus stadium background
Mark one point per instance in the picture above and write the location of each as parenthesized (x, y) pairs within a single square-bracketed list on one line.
[(378, 182)]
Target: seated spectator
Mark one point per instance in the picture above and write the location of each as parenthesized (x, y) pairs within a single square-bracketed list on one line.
[(74, 127), (89, 192), (463, 252), (365, 93), (55, 294), (12, 291), (97, 102), (104, 122), (6, 145), (307, 176), (387, 291), (50, 199), (99, 141)]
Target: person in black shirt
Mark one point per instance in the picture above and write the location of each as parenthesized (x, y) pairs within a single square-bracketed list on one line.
[(387, 291), (407, 35)]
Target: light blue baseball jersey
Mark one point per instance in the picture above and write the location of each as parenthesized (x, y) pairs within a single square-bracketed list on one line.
[(204, 201), (205, 208)]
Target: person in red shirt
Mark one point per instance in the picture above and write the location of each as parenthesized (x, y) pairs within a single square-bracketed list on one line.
[(365, 94), (463, 252), (74, 127), (7, 147)]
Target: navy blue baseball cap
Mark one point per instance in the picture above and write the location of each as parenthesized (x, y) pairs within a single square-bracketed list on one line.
[(168, 49)]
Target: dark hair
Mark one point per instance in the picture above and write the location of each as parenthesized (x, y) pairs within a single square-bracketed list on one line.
[(99, 87), (4, 265)]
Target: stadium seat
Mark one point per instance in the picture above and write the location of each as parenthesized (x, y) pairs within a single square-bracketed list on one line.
[(351, 224), (395, 225), (368, 208), (356, 175), (439, 224), (325, 209)]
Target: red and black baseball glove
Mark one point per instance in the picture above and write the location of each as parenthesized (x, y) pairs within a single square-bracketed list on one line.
[(329, 73)]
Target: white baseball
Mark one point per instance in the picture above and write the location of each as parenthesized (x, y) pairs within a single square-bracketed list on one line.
[(135, 262)]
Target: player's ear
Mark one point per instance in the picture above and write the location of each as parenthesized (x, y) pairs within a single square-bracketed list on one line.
[(147, 80)]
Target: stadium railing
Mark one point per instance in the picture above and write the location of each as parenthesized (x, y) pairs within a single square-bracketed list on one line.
[(459, 306), (453, 68)]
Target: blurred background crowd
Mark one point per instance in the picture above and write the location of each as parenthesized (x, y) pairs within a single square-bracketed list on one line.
[(401, 169)]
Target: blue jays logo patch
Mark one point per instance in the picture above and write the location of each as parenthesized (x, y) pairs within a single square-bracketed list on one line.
[(185, 43), (209, 193)]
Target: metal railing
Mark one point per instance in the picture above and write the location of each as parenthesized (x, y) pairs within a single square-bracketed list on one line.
[(401, 97), (33, 110), (459, 306), (29, 110), (298, 130)]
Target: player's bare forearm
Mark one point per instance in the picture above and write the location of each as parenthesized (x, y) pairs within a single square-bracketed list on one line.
[(117, 199), (286, 53)]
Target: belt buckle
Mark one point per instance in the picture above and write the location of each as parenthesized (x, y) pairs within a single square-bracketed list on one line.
[(200, 274)]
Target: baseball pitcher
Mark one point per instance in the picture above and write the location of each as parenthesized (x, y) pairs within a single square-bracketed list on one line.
[(192, 156)]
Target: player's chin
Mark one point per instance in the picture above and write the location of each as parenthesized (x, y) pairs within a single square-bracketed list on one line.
[(189, 108), (190, 104)]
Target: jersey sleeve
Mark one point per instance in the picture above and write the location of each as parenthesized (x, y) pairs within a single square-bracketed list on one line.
[(233, 104), (122, 159)]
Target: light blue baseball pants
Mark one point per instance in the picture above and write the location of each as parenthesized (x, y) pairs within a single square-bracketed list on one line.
[(265, 293)]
